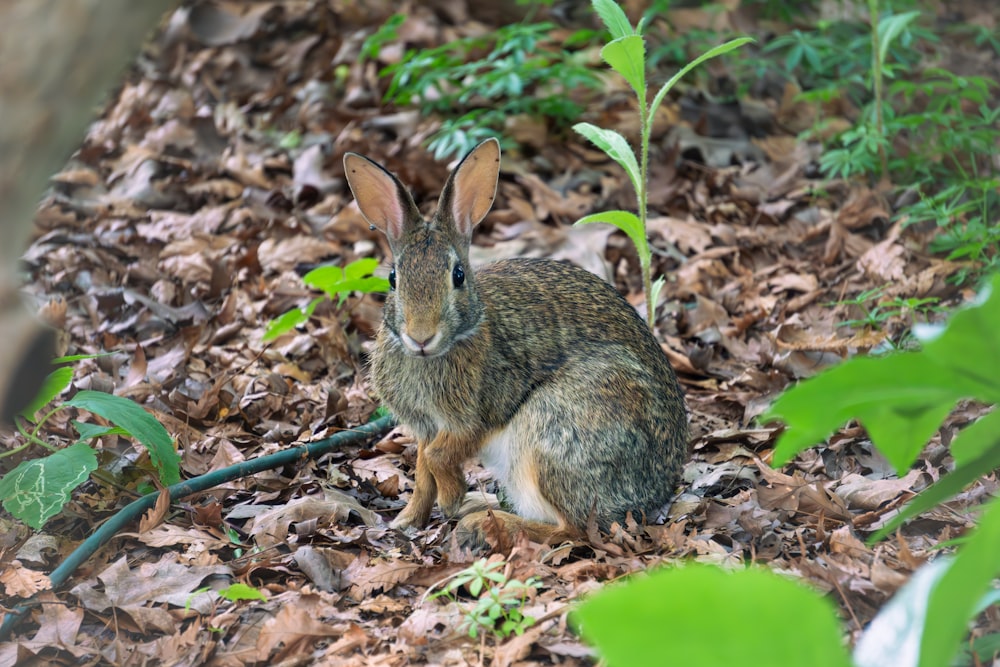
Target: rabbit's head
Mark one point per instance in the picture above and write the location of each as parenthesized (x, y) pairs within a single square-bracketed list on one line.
[(432, 304)]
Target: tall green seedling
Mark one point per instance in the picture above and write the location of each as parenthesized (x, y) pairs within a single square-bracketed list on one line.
[(626, 54)]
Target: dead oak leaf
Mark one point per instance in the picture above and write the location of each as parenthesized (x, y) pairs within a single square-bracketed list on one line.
[(19, 581), (793, 493), (859, 492), (271, 527), (295, 629), (279, 256), (885, 261), (131, 590), (365, 577)]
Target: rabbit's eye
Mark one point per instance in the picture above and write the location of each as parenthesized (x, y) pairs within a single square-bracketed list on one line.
[(392, 278), (458, 275)]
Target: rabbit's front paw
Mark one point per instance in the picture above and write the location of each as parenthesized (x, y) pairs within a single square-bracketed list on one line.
[(413, 516)]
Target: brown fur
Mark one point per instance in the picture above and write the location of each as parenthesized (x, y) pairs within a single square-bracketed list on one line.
[(542, 359)]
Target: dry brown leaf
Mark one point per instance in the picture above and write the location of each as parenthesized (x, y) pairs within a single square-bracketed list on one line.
[(296, 631), (156, 513), (19, 581)]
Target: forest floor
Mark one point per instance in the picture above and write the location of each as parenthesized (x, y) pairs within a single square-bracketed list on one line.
[(213, 181)]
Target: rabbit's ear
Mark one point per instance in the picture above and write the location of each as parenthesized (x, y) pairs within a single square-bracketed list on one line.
[(472, 186), (383, 200)]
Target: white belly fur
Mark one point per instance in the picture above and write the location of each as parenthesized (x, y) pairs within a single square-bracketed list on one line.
[(517, 477)]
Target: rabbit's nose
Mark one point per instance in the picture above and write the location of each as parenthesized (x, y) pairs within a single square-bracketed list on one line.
[(424, 344)]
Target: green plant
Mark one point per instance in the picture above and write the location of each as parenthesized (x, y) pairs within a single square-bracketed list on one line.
[(902, 399), (877, 312), (921, 626), (499, 605), (523, 72), (626, 54), (37, 489), (703, 615), (337, 283), (233, 592), (867, 143)]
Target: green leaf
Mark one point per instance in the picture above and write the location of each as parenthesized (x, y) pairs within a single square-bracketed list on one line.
[(627, 222), (900, 431), (717, 51), (339, 283), (976, 439), (239, 591), (37, 490), (69, 358), (882, 392), (613, 17), (889, 29), (953, 600), (55, 383), (90, 431), (986, 430), (361, 267), (140, 425), (971, 338), (623, 621), (616, 147), (324, 278), (288, 321), (627, 56)]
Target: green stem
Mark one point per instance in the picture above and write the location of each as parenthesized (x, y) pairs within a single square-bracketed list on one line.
[(134, 510), (646, 125)]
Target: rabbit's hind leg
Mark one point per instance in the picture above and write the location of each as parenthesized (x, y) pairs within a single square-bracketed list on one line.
[(498, 531)]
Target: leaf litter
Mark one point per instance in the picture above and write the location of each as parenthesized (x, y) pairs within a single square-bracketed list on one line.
[(212, 183)]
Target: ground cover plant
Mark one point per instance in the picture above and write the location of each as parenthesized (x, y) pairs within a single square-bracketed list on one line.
[(210, 186)]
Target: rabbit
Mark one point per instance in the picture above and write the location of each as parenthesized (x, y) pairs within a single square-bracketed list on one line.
[(538, 367)]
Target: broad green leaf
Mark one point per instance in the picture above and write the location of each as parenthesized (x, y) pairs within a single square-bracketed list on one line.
[(91, 431), (55, 383), (900, 431), (288, 321), (360, 267), (879, 390), (337, 282), (140, 424), (889, 29), (324, 277), (717, 51), (37, 490), (970, 344), (627, 56), (366, 285), (976, 439), (965, 473), (953, 600), (616, 147), (627, 222), (684, 605), (613, 17)]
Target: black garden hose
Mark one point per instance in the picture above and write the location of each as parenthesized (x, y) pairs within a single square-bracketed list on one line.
[(134, 510)]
